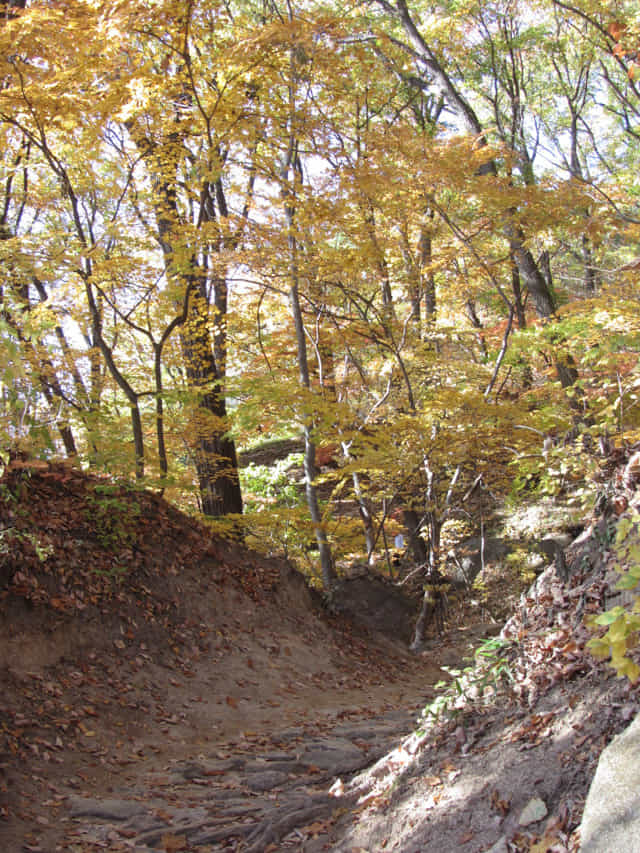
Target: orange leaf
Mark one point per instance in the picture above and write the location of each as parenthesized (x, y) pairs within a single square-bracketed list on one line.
[(616, 30)]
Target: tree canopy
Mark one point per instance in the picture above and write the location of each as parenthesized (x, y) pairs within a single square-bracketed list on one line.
[(406, 232)]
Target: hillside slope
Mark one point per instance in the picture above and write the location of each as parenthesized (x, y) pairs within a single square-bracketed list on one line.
[(162, 691), (126, 632)]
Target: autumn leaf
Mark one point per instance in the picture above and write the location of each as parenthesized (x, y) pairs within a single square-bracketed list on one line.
[(173, 843)]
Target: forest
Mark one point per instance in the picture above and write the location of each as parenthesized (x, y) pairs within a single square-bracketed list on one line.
[(400, 238)]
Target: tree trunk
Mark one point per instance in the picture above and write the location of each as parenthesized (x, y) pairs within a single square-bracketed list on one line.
[(364, 508), (531, 276), (590, 274), (326, 561), (413, 523), (214, 451), (117, 375), (204, 358), (517, 294), (475, 321)]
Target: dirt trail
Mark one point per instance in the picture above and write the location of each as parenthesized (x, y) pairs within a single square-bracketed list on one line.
[(224, 733), (210, 780), (182, 694), (235, 744), (140, 655)]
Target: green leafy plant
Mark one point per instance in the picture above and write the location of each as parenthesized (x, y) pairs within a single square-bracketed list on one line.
[(10, 535), (621, 624), (267, 486), (112, 515), (490, 667)]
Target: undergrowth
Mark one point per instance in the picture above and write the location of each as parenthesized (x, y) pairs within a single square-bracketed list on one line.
[(488, 673)]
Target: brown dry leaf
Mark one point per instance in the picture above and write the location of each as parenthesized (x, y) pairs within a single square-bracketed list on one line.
[(173, 843), (498, 804), (161, 814), (233, 703), (316, 827), (548, 843)]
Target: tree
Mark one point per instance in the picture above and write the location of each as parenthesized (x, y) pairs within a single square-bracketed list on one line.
[(177, 177), (361, 226)]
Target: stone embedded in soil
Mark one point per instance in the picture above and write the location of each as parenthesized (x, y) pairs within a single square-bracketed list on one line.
[(267, 780), (534, 811), (336, 754), (109, 809), (500, 846)]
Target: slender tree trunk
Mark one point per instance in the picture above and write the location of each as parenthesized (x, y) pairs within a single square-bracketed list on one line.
[(430, 304), (291, 176), (422, 285), (118, 376), (590, 277), (516, 289), (477, 325), (364, 508), (530, 274), (49, 383), (432, 605), (162, 450), (590, 274), (326, 561), (51, 387), (380, 261)]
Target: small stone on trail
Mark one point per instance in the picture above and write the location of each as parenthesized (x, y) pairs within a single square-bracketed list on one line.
[(266, 781), (105, 809), (499, 847), (534, 811)]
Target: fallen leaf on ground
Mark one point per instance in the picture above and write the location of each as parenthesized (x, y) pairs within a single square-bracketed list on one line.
[(173, 843)]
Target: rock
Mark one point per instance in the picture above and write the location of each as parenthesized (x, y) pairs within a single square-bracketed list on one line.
[(534, 811), (266, 780), (611, 817), (535, 562), (499, 847), (110, 809), (550, 545), (470, 554), (336, 755)]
